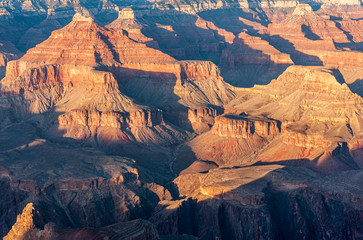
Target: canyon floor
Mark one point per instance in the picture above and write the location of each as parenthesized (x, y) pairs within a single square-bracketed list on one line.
[(181, 120)]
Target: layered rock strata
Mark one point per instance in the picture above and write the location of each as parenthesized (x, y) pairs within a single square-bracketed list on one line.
[(304, 32), (239, 126), (316, 109), (81, 81), (250, 50)]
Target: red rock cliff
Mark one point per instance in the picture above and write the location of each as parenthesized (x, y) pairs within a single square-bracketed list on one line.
[(238, 126)]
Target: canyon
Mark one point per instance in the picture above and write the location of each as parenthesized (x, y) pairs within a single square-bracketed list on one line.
[(181, 120)]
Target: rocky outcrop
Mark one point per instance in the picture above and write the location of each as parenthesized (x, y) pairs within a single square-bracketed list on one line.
[(316, 109), (203, 118), (142, 118), (20, 81), (127, 20), (355, 147), (310, 89), (87, 98), (198, 120), (169, 73), (309, 38), (97, 203), (24, 226), (70, 129), (261, 198), (242, 126), (250, 50), (191, 84), (74, 50), (75, 187), (306, 141), (8, 52), (83, 42)]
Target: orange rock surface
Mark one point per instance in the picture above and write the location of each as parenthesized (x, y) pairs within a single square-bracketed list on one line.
[(116, 120), (313, 40), (235, 126), (24, 225)]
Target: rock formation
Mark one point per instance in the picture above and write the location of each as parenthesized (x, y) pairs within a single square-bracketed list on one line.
[(294, 117), (102, 48), (69, 83), (311, 116), (82, 185), (8, 52), (181, 120), (304, 32), (249, 50), (271, 200), (24, 226), (245, 127)]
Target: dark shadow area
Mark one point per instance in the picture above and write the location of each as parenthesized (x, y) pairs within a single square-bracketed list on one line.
[(357, 87), (350, 46), (69, 180), (26, 30), (106, 17), (308, 33), (250, 75), (285, 46), (229, 19), (184, 157), (314, 5), (12, 29), (338, 76), (152, 88), (111, 47), (98, 57), (260, 14), (349, 36), (179, 36), (243, 66), (335, 18), (41, 31)]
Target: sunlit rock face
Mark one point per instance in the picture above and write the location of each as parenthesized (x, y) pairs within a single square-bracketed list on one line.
[(23, 226), (85, 68), (307, 113), (313, 40), (244, 127), (181, 120)]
